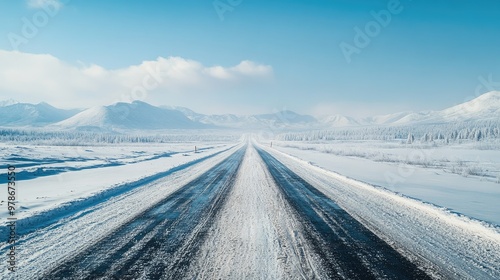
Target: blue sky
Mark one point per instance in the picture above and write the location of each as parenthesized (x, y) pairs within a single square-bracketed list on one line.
[(260, 55)]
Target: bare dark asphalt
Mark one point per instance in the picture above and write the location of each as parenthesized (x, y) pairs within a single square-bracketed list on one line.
[(348, 249), (161, 242)]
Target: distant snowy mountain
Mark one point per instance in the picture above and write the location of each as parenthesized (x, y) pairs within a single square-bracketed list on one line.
[(226, 120), (192, 115), (279, 119), (140, 115), (24, 114), (339, 121), (286, 117), (485, 107), (384, 119), (135, 115)]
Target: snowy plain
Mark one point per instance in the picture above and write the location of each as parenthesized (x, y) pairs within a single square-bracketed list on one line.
[(446, 245), (44, 247), (51, 177), (93, 189), (463, 178)]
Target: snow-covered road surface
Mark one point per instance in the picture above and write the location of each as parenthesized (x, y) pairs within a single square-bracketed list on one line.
[(160, 242), (348, 250), (445, 244), (50, 245), (265, 224), (256, 235), (254, 213)]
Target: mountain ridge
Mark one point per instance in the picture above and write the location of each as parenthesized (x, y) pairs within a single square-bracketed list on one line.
[(141, 115), (26, 114), (135, 115)]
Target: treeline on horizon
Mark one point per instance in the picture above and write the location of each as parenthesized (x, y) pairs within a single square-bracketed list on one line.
[(453, 132), (71, 138)]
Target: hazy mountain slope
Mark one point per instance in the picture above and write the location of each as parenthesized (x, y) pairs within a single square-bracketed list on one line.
[(339, 121), (140, 115), (278, 119), (481, 108), (24, 114), (135, 115), (486, 106)]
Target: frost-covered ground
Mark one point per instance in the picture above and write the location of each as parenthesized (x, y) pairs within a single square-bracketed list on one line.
[(462, 177), (44, 248), (455, 246), (256, 236), (50, 177), (89, 191)]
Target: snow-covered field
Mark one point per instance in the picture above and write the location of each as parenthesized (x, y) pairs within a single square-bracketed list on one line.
[(465, 178), (456, 246), (436, 204), (44, 248), (58, 177)]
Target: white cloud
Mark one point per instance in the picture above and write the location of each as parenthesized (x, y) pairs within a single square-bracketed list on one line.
[(38, 4), (247, 67), (42, 77)]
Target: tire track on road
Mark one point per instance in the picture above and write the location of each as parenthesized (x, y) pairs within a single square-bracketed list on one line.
[(256, 235), (159, 243), (348, 249)]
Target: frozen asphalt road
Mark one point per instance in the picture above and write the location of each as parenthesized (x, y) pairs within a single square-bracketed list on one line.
[(348, 250), (247, 217), (159, 243)]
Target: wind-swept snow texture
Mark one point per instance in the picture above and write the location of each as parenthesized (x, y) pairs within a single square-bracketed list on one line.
[(348, 250), (45, 249), (256, 235), (51, 197), (257, 215), (159, 243), (454, 247), (428, 174)]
